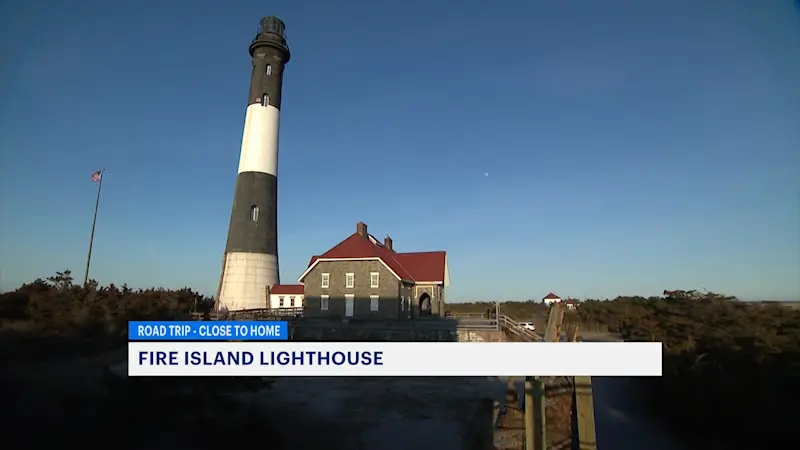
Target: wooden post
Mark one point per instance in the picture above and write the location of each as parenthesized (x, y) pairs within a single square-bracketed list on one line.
[(584, 404), (530, 423), (572, 333), (554, 323), (535, 418)]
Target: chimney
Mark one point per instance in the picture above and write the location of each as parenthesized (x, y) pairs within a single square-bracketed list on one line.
[(361, 229), (387, 243)]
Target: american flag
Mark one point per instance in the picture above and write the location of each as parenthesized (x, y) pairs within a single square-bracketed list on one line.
[(96, 176)]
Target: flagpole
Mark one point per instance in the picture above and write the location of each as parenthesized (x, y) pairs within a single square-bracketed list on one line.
[(94, 222)]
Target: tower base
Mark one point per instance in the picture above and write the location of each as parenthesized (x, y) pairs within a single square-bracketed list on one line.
[(245, 279)]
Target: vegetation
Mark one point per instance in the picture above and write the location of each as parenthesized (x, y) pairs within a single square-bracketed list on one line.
[(56, 327), (731, 369), (57, 317)]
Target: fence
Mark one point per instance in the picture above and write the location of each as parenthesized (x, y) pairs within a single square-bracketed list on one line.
[(567, 400), (251, 314), (465, 321), (502, 322)]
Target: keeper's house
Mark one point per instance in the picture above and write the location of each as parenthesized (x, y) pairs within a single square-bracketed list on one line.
[(363, 278)]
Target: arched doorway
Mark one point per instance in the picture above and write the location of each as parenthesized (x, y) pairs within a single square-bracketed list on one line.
[(425, 304)]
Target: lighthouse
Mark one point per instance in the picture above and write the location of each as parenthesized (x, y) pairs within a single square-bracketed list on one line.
[(250, 263)]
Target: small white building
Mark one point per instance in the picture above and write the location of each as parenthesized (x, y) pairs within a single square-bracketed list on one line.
[(286, 296), (551, 298)]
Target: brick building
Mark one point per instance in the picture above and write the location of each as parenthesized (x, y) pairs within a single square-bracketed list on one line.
[(362, 277)]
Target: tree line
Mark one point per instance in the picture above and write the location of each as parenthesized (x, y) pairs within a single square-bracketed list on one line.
[(731, 370)]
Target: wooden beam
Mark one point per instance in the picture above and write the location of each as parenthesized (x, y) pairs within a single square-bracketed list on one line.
[(572, 333), (554, 322)]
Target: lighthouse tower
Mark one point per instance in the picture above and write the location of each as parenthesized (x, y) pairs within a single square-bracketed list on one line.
[(250, 264)]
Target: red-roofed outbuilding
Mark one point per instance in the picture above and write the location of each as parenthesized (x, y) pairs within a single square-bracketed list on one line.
[(551, 298)]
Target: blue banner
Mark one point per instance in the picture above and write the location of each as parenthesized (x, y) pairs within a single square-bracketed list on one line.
[(208, 331)]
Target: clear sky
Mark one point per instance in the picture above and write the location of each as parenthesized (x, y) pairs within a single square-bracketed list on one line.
[(630, 146)]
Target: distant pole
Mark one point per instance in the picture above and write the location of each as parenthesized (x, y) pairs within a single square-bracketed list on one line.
[(94, 222)]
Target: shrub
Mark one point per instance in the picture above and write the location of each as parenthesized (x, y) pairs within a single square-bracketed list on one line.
[(59, 318)]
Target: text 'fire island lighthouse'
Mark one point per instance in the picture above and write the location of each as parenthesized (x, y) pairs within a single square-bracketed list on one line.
[(250, 264)]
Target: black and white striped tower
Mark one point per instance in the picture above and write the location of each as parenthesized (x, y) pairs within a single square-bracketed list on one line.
[(251, 254)]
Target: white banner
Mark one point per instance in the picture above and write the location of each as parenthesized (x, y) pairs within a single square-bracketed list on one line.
[(368, 359)]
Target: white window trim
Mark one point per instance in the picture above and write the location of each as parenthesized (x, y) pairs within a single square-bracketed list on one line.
[(350, 277), (324, 302), (374, 300), (402, 303), (326, 277), (291, 302), (377, 276)]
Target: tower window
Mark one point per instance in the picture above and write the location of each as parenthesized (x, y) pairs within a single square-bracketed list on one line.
[(254, 213), (269, 69), (265, 100)]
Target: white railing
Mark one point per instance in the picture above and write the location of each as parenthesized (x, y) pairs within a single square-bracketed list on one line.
[(479, 321), (514, 327)]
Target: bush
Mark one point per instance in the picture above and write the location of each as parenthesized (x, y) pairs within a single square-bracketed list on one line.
[(731, 368), (58, 318)]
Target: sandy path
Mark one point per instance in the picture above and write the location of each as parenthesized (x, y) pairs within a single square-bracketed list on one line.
[(390, 413)]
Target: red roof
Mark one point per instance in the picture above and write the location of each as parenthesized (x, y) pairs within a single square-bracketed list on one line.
[(287, 289), (424, 266), (551, 296), (419, 266)]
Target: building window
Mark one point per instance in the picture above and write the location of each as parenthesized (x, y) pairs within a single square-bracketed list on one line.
[(326, 280), (254, 213), (349, 280), (280, 302), (269, 69), (291, 302), (402, 303), (265, 100), (374, 278), (373, 302), (323, 303)]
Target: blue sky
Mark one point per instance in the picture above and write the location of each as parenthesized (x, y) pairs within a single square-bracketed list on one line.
[(630, 146)]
